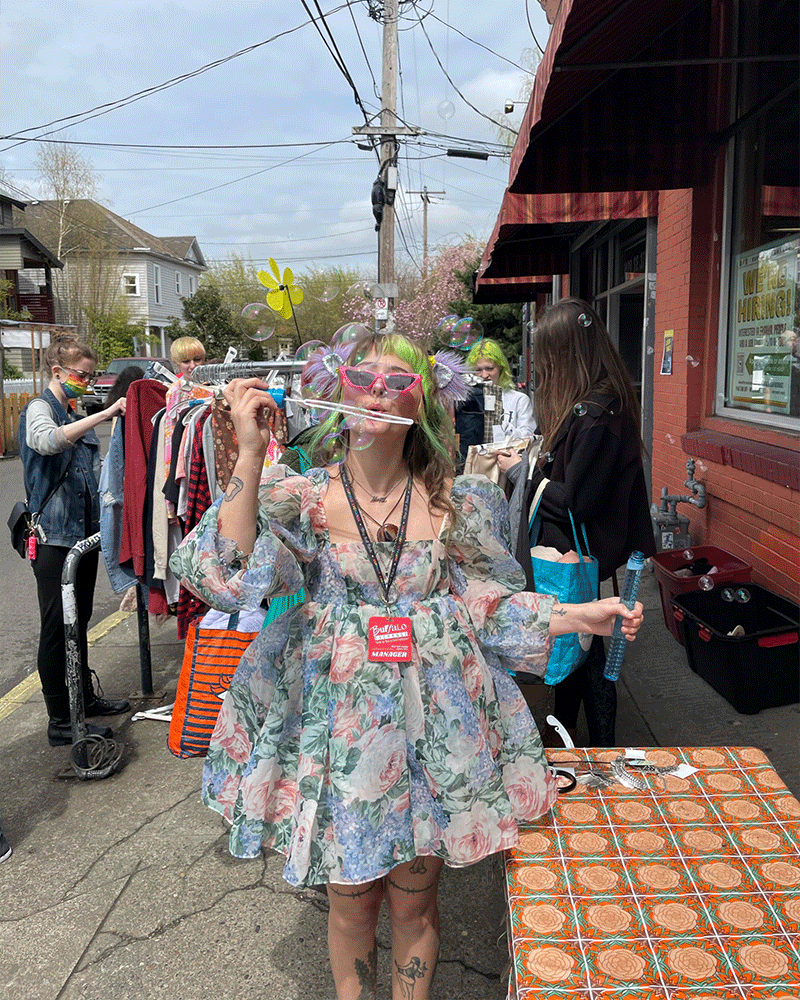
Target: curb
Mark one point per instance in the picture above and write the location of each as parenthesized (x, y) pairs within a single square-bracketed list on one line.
[(20, 694)]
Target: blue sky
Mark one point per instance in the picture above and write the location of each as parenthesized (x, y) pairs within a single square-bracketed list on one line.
[(306, 205)]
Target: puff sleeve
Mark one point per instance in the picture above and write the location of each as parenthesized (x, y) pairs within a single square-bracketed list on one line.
[(508, 621), (289, 536)]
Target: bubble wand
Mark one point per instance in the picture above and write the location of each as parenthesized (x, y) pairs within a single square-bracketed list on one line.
[(630, 588), (352, 411)]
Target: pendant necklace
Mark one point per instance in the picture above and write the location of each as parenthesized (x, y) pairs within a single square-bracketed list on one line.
[(397, 535), (375, 498), (386, 532)]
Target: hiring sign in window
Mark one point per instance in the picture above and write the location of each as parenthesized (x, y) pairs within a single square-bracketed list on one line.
[(764, 363)]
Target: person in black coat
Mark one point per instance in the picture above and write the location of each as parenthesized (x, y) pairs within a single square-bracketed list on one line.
[(591, 455)]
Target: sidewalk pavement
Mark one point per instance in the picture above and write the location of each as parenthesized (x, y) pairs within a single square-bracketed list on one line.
[(123, 887)]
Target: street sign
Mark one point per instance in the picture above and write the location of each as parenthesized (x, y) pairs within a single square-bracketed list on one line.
[(381, 308)]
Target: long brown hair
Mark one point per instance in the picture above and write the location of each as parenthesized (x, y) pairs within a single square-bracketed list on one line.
[(574, 358)]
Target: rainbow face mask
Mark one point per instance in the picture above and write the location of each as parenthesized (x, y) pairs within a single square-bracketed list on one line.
[(74, 387)]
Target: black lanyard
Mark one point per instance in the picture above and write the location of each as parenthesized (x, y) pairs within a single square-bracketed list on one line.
[(384, 582)]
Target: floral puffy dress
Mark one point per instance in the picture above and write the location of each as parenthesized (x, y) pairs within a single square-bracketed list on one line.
[(348, 767)]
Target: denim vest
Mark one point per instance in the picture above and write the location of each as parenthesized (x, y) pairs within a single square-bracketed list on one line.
[(73, 512)]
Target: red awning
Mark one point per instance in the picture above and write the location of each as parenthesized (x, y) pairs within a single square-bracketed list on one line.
[(533, 233), (597, 123)]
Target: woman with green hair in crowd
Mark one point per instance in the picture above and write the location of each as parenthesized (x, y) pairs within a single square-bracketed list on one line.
[(490, 364), (372, 734)]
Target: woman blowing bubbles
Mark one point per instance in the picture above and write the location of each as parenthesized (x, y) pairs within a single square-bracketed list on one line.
[(372, 734)]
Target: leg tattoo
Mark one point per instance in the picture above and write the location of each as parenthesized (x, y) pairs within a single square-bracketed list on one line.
[(367, 973), (408, 975)]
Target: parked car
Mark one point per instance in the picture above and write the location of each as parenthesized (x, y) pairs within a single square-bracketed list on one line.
[(95, 398)]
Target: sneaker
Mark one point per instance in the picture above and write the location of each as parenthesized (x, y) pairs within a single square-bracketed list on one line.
[(5, 848)]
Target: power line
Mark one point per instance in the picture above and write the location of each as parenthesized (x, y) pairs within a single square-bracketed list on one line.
[(452, 84), (366, 57), (530, 26), (217, 187), (103, 109), (474, 41), (336, 55)]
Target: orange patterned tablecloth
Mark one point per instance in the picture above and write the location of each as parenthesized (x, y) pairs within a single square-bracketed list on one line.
[(684, 892)]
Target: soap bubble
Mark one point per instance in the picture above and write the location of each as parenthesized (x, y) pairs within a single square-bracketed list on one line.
[(742, 595), (259, 311), (262, 333), (651, 350), (328, 293), (310, 384), (255, 310), (701, 466), (688, 555), (727, 594), (580, 409), (360, 436), (333, 445), (670, 439), (446, 324), (349, 332), (446, 110), (692, 361), (359, 290), (465, 333), (705, 583)]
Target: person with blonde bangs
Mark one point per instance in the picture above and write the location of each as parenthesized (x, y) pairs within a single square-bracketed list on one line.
[(187, 353), (491, 365), (591, 461), (372, 734)]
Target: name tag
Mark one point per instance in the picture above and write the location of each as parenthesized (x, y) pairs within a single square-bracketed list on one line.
[(389, 639), (489, 403)]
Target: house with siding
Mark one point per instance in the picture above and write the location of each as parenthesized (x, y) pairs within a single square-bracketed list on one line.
[(25, 262), (149, 274)]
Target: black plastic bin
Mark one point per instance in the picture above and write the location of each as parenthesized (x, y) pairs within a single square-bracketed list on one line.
[(756, 670)]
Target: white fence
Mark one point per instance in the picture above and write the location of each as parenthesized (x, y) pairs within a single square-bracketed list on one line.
[(18, 385)]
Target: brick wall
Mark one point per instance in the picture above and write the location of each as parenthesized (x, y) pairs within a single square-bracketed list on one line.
[(753, 508)]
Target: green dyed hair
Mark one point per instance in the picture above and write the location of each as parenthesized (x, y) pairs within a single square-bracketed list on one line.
[(430, 445), (494, 352)]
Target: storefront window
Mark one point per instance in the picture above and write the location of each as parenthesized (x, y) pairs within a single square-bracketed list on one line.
[(762, 350)]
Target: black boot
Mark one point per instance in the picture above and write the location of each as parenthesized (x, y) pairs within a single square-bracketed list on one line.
[(94, 704), (59, 728), (59, 732)]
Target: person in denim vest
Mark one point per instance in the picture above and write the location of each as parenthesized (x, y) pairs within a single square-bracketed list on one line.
[(61, 464)]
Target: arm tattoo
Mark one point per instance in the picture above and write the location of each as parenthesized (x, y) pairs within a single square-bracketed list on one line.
[(558, 611), (235, 486)]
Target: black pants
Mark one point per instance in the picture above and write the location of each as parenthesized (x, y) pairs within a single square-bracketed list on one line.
[(52, 657), (598, 695)]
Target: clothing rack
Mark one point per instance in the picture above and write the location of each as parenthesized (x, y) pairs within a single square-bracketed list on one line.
[(246, 369)]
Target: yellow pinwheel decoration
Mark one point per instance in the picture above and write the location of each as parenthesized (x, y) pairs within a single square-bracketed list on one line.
[(283, 294)]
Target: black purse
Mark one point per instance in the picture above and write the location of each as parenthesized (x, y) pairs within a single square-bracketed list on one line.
[(19, 524), (22, 524)]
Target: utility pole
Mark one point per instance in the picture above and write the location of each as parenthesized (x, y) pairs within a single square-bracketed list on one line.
[(388, 132), (425, 202), (388, 167)]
